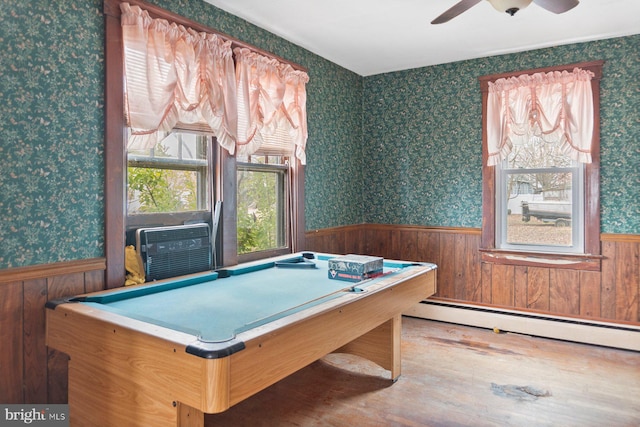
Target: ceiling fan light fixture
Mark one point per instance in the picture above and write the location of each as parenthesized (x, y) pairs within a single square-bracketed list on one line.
[(509, 6)]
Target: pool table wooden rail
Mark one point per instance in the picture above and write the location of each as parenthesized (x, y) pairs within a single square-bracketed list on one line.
[(127, 372)]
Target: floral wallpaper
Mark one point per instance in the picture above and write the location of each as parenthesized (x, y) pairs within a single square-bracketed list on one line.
[(333, 174), (51, 132), (399, 148), (423, 127)]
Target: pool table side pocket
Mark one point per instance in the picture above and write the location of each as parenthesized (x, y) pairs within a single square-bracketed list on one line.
[(274, 354)]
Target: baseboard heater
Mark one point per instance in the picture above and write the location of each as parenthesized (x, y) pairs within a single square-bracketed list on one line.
[(174, 251), (624, 336)]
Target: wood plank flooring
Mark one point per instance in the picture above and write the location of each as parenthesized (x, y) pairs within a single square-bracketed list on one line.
[(454, 375)]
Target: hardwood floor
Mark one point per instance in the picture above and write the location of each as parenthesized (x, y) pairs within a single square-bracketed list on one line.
[(456, 376)]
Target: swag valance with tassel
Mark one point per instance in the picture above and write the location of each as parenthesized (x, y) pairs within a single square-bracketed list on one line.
[(550, 107), (176, 77)]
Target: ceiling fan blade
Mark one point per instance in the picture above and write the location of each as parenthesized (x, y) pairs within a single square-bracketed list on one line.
[(557, 6), (456, 10)]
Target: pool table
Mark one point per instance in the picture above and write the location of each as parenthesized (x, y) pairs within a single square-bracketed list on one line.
[(167, 352)]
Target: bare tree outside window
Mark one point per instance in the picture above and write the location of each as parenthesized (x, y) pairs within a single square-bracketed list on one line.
[(538, 189)]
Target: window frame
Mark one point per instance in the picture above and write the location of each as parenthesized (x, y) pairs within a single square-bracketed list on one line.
[(135, 221), (202, 167), (590, 259), (115, 154), (284, 171), (577, 211)]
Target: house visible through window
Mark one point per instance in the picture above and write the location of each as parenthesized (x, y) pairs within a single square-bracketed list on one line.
[(541, 154), (539, 200)]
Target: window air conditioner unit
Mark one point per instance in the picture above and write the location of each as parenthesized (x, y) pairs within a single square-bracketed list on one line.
[(174, 251)]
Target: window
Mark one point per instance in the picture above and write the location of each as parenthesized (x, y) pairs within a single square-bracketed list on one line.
[(539, 200), (171, 183), (272, 134), (263, 204), (194, 171), (172, 176), (540, 207)]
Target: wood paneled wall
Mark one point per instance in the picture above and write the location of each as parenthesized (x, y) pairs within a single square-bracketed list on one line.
[(612, 294), (30, 372), (33, 374)]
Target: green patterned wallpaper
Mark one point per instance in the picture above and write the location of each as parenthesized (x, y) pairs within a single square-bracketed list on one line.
[(333, 173), (51, 127), (424, 127), (400, 148), (51, 132)]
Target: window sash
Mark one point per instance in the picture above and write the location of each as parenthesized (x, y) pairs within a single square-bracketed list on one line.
[(577, 209), (178, 162), (283, 205)]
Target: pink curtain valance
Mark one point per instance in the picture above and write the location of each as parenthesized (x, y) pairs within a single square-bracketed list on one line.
[(176, 77), (271, 106), (550, 107)]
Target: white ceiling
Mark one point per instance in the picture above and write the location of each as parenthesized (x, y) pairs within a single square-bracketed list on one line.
[(371, 37)]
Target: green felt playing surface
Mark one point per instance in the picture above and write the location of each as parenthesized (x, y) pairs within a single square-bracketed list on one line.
[(216, 309)]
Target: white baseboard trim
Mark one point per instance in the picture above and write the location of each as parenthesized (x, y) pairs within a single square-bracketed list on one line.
[(564, 328)]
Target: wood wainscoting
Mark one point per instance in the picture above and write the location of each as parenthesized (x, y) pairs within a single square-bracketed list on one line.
[(610, 296), (33, 374), (30, 372)]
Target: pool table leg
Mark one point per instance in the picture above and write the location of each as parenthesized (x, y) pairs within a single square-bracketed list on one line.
[(381, 345), (189, 416)]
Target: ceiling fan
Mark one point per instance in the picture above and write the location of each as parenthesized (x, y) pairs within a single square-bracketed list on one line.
[(508, 6)]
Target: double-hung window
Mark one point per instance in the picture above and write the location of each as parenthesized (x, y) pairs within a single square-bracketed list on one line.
[(170, 179), (540, 200), (171, 155), (271, 141), (541, 162), (263, 204)]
